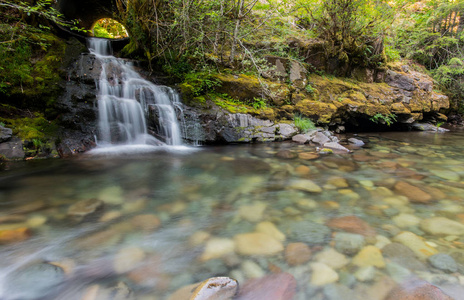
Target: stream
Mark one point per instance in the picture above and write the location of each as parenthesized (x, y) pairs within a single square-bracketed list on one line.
[(142, 225)]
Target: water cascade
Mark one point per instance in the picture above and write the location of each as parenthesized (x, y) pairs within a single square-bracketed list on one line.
[(126, 100)]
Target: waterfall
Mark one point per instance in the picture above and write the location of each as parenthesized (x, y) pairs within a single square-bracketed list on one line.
[(126, 101)]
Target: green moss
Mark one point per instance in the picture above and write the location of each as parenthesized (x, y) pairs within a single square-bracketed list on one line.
[(30, 66), (31, 128)]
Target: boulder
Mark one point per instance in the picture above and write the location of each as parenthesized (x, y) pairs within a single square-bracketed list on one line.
[(5, 134), (12, 149), (399, 80)]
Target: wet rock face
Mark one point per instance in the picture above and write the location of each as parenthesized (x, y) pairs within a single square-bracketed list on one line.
[(218, 126), (76, 107), (5, 134)]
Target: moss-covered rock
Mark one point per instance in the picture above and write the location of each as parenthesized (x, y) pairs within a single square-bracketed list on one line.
[(333, 100)]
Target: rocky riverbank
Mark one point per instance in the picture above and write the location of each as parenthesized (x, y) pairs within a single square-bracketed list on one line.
[(227, 114)]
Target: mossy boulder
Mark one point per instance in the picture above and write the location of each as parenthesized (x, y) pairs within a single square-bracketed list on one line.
[(321, 112), (242, 87)]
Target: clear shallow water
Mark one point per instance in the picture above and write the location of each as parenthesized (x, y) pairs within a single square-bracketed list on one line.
[(164, 211)]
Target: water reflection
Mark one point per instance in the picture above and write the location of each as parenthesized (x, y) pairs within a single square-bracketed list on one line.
[(145, 225)]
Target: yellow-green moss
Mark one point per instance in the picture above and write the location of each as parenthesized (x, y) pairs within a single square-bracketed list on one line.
[(35, 127)]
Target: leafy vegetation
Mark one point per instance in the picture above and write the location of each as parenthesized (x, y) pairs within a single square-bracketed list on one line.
[(383, 119), (432, 33), (303, 124), (109, 28)]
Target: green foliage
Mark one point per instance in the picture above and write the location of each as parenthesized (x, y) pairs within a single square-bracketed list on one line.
[(303, 124), (109, 28), (259, 103), (353, 30), (434, 37), (31, 128), (383, 119), (310, 89), (451, 77), (201, 83)]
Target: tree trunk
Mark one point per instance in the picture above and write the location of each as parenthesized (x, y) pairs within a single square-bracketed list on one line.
[(238, 17)]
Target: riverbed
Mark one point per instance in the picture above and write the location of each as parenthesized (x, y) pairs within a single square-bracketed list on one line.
[(143, 225)]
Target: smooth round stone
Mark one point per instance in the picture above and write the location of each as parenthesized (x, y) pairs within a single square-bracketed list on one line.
[(286, 154), (306, 204), (306, 232), (251, 269), (217, 247), (347, 279), (414, 194), (33, 282), (223, 288), (367, 183), (271, 230), (442, 226), (338, 182), (111, 195), (369, 256), (297, 254), (302, 170), (257, 243), (397, 272), (416, 244), (406, 220), (111, 215), (390, 212), (127, 259), (338, 291), (352, 224), (365, 274), (146, 222), (446, 174), (416, 289), (304, 185), (381, 241), (85, 208), (199, 238), (272, 287), (8, 236), (322, 274), (332, 258), (443, 262), (397, 201), (308, 155), (252, 213), (381, 191), (348, 243), (98, 292), (134, 206), (36, 221)]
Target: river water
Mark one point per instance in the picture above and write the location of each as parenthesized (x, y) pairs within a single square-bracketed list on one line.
[(141, 226)]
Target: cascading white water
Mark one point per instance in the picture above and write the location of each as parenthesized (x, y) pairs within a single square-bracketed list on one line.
[(125, 99)]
